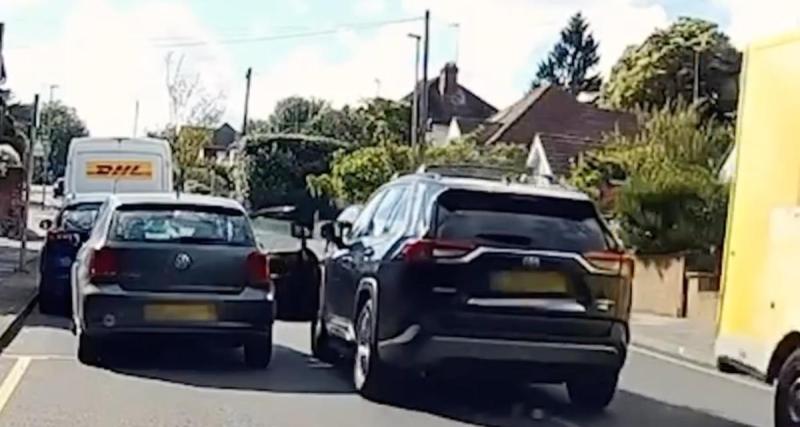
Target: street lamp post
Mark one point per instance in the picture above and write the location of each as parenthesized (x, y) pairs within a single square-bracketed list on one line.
[(415, 101), (47, 144)]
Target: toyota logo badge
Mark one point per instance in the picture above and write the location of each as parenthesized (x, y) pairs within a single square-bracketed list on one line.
[(182, 261), (530, 262)]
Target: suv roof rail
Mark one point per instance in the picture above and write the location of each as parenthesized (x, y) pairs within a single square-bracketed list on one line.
[(493, 173)]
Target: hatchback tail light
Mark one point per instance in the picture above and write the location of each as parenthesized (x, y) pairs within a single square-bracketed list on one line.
[(104, 266), (427, 249), (613, 262), (258, 268)]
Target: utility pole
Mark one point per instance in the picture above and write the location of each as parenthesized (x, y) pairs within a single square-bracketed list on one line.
[(377, 87), (23, 247), (425, 54), (457, 27), (415, 99), (46, 148), (696, 92), (248, 77), (136, 119)]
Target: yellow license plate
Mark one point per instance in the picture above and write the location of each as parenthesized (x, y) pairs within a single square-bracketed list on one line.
[(546, 282), (188, 312)]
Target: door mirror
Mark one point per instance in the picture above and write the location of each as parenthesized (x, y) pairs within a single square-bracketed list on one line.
[(329, 232), (300, 231), (45, 224)]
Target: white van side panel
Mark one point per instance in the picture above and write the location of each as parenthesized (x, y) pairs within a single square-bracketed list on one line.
[(118, 165)]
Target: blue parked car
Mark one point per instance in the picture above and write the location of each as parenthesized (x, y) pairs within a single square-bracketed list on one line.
[(64, 237)]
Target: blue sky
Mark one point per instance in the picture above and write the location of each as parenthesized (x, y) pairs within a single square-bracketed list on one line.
[(107, 54)]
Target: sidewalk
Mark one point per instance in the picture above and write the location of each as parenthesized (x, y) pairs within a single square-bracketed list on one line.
[(682, 338)]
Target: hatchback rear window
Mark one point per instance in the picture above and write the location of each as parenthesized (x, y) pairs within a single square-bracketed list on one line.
[(182, 224), (529, 222)]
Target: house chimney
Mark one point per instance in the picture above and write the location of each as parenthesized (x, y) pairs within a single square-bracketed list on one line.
[(448, 79)]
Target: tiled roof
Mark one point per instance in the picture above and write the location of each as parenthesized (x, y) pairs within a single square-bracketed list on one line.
[(549, 109), (562, 149)]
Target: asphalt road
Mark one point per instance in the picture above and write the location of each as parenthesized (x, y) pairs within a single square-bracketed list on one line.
[(42, 384)]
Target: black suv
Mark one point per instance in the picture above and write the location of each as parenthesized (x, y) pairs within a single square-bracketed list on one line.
[(457, 268)]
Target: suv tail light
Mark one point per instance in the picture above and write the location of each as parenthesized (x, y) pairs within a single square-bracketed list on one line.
[(427, 249), (258, 268), (104, 266), (615, 262)]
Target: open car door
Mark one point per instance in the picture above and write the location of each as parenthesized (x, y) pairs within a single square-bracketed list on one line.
[(294, 266)]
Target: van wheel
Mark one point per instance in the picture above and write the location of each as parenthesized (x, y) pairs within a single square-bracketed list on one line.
[(787, 394), (258, 352), (88, 350), (320, 342), (593, 391), (370, 375)]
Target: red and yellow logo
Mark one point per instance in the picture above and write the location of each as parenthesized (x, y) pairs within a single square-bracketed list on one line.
[(119, 169)]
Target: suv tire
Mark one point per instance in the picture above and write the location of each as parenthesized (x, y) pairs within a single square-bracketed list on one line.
[(592, 391), (370, 375), (321, 342), (47, 303), (258, 351), (787, 404)]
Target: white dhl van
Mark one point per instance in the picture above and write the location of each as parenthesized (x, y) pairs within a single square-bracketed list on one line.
[(118, 165)]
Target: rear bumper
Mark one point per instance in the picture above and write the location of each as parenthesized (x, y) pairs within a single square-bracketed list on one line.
[(414, 349), (236, 316)]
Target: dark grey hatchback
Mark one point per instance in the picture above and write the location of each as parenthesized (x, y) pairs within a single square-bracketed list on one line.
[(182, 266)]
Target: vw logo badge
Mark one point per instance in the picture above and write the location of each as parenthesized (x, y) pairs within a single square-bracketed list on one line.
[(530, 262), (182, 261)]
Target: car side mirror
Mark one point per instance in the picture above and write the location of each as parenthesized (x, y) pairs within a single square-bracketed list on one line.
[(329, 232), (45, 224), (300, 231)]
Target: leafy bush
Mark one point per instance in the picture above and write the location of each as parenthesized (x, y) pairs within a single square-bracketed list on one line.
[(670, 198), (276, 167), (355, 175)]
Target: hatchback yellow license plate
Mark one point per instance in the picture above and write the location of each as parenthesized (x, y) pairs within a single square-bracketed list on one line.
[(177, 312), (516, 282)]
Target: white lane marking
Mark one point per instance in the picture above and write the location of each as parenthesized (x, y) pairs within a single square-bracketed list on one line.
[(37, 356), (12, 380), (731, 377)]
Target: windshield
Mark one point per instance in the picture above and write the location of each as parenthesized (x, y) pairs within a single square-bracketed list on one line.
[(80, 217), (521, 221), (185, 224)]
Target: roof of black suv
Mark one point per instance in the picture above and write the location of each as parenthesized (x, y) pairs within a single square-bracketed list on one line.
[(532, 187)]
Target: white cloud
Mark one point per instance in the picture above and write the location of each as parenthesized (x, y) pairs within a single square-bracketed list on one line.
[(369, 7), (750, 20), (106, 59)]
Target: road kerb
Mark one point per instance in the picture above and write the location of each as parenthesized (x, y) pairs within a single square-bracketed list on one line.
[(19, 319), (673, 354)]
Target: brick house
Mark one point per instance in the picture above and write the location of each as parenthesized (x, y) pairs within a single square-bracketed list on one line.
[(453, 110)]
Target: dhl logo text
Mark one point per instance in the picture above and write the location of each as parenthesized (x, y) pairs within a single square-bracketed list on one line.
[(119, 169)]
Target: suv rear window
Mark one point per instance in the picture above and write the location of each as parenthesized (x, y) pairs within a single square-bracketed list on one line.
[(530, 222), (79, 217), (181, 223)]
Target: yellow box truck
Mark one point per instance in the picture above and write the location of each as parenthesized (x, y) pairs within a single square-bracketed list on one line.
[(759, 316)]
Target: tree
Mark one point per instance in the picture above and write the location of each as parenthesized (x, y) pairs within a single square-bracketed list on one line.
[(192, 112), (294, 114), (61, 124), (570, 63), (662, 68), (670, 199)]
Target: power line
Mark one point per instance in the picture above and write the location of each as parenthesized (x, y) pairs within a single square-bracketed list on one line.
[(242, 40)]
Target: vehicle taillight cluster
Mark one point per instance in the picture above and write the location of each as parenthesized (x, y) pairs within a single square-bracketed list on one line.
[(258, 268), (613, 262), (104, 266), (429, 249)]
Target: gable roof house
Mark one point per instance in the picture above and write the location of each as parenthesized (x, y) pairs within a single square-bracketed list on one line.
[(556, 126), (453, 110), (218, 142)]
